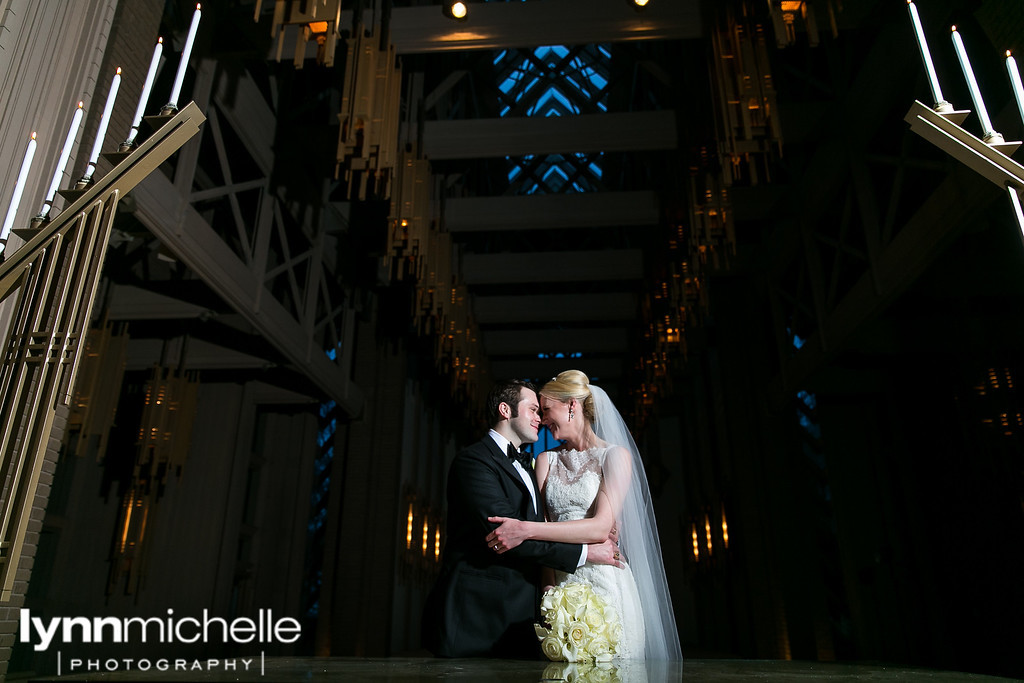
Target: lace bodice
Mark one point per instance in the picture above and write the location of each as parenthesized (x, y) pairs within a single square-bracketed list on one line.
[(574, 479), (573, 482)]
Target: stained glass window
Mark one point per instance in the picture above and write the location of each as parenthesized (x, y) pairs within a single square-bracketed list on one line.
[(554, 80)]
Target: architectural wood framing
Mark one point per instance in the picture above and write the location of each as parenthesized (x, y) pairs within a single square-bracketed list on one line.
[(553, 266), (490, 138), (546, 308), (180, 227), (551, 211), (569, 340), (275, 276), (499, 25)]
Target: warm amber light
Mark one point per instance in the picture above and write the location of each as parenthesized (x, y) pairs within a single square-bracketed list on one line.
[(127, 519), (437, 543), (459, 10), (696, 542), (318, 26), (426, 535), (408, 530), (725, 530), (791, 5), (707, 532), (640, 3)]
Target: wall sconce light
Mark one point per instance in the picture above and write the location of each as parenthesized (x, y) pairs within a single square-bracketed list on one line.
[(639, 5), (408, 528), (457, 10), (725, 529)]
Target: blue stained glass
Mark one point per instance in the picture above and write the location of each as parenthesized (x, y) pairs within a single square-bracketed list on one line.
[(554, 80)]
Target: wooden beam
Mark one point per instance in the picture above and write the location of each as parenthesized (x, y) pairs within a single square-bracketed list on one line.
[(597, 369), (177, 224), (500, 25), (553, 266), (546, 211), (938, 221), (568, 341), (490, 138), (548, 308)]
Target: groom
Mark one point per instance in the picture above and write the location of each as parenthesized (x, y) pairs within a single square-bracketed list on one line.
[(485, 604)]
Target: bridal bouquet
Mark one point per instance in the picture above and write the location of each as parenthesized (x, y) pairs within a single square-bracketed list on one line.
[(578, 625)]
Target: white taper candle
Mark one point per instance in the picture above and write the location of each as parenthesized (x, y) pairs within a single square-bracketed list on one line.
[(62, 162), (146, 88), (19, 188), (179, 77), (1018, 90), (101, 132), (926, 55), (972, 84)]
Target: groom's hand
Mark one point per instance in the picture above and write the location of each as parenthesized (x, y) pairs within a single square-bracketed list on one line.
[(508, 535), (605, 553)]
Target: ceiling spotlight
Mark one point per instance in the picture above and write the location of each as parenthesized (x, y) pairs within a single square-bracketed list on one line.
[(639, 4), (455, 10)]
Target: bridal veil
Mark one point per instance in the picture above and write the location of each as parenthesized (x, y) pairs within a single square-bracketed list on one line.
[(638, 533)]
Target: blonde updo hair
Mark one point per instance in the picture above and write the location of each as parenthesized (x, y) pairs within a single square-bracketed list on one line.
[(568, 385)]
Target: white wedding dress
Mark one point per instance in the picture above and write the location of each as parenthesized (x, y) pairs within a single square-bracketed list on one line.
[(573, 481)]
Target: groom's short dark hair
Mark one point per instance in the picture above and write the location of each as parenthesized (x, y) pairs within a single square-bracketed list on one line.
[(508, 392)]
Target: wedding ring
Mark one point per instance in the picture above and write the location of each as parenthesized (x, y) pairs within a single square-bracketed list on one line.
[(616, 555), (495, 547)]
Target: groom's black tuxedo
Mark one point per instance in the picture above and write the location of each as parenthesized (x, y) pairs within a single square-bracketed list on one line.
[(485, 604)]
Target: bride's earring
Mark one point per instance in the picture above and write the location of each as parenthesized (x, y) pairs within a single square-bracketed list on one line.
[(571, 413)]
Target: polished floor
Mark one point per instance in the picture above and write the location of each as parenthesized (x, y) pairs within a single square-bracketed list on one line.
[(408, 669)]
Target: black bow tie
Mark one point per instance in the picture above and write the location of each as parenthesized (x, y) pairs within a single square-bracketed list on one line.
[(523, 459)]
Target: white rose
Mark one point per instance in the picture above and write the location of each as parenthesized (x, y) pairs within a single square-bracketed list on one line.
[(598, 646), (578, 633), (594, 619), (552, 649)]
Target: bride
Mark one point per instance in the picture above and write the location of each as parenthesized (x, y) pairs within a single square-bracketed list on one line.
[(591, 485)]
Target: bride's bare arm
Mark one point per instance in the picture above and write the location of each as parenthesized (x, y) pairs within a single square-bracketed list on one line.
[(593, 529), (617, 473)]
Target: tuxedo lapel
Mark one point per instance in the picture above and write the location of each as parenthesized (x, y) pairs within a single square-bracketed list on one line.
[(506, 465), (503, 460)]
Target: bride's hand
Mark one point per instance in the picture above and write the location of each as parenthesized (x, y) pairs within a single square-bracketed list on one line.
[(510, 534)]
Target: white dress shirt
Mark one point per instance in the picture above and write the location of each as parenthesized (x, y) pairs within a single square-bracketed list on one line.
[(527, 477)]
